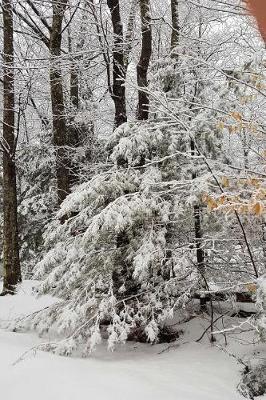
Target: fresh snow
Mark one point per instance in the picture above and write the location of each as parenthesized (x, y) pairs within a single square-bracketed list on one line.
[(183, 371)]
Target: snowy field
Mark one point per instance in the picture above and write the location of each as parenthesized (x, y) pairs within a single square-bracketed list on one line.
[(184, 371)]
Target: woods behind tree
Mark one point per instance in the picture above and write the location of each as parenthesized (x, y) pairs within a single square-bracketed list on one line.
[(122, 121)]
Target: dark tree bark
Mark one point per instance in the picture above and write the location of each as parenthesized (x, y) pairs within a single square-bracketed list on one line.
[(175, 24), (118, 88), (144, 62), (60, 135), (200, 255), (11, 261), (74, 87)]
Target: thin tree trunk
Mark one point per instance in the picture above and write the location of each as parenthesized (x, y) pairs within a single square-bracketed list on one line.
[(175, 24), (74, 86), (60, 136), (130, 31), (118, 89), (144, 62), (11, 261), (200, 256), (75, 67), (74, 73), (79, 133), (74, 136)]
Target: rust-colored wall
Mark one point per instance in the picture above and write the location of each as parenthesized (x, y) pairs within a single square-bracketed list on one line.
[(258, 9)]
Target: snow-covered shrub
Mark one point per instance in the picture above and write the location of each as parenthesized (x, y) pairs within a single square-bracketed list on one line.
[(116, 261)]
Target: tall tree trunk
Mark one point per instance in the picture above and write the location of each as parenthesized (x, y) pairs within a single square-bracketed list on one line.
[(11, 262), (74, 136), (200, 255), (175, 24), (118, 89), (130, 31), (74, 71), (145, 56), (60, 135), (74, 86), (79, 133)]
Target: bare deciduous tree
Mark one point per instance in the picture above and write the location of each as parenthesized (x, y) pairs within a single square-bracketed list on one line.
[(11, 261), (60, 137), (144, 61), (175, 24), (118, 90)]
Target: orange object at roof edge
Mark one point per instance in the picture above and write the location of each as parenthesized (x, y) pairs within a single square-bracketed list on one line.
[(258, 10)]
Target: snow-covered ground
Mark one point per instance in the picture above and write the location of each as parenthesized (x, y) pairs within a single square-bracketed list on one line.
[(185, 371)]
